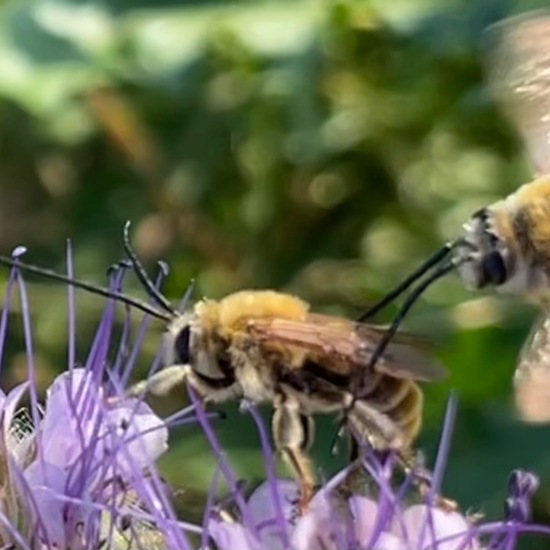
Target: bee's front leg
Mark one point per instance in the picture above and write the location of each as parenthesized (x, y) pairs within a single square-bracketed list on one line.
[(293, 435), (164, 381)]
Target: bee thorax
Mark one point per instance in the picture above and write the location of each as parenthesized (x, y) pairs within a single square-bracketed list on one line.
[(254, 384), (253, 373)]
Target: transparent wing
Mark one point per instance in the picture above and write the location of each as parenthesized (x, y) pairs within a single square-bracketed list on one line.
[(532, 377), (518, 66), (343, 345)]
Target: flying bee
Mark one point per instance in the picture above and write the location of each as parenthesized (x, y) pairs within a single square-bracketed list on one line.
[(506, 245), (268, 347)]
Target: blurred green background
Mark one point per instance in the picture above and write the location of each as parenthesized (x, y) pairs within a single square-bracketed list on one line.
[(319, 147)]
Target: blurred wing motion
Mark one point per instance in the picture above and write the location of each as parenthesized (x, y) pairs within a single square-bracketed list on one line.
[(342, 345), (532, 377), (519, 79)]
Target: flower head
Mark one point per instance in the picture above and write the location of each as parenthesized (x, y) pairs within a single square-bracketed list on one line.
[(379, 514), (79, 470)]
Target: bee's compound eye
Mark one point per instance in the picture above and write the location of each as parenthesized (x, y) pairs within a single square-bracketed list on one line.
[(494, 269), (181, 345)]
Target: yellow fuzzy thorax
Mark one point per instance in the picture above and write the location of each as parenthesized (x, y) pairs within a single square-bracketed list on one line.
[(533, 201), (533, 191), (229, 313)]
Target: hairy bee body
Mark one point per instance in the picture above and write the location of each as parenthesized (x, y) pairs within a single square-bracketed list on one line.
[(267, 347), (507, 244), (293, 352)]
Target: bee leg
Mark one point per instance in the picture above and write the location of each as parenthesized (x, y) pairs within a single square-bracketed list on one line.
[(355, 476), (353, 453), (423, 480), (165, 380), (161, 383), (293, 434), (369, 424), (366, 425)]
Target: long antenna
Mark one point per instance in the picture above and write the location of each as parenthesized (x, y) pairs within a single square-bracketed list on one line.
[(404, 309), (141, 274), (412, 278), (90, 287)]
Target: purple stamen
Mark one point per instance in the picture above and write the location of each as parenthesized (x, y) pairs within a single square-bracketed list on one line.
[(97, 357), (142, 332), (71, 310), (223, 464), (270, 470), (14, 533), (26, 314), (123, 349), (30, 501), (18, 251), (5, 313), (521, 489), (444, 446), (212, 492)]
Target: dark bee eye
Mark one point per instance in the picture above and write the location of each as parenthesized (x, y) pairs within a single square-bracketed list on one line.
[(181, 346), (494, 269)]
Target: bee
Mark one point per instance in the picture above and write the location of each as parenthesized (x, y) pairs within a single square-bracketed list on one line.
[(506, 245), (268, 347)]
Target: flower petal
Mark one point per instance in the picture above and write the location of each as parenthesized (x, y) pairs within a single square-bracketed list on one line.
[(425, 526), (232, 536), (365, 514), (57, 517), (71, 416), (271, 521), (324, 527), (388, 541), (262, 499), (144, 434)]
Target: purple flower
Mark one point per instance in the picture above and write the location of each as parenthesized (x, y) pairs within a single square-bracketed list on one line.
[(79, 471), (334, 522), (350, 515), (84, 445)]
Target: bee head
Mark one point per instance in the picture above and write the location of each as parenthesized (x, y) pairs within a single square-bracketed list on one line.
[(192, 340), (483, 260)]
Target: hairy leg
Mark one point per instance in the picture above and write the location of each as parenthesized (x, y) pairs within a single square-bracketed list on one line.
[(293, 435), (165, 380)]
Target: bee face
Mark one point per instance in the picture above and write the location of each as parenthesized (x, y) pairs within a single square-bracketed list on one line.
[(189, 342), (483, 258), (506, 246)]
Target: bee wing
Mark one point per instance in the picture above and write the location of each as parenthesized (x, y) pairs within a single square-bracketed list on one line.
[(518, 66), (343, 345), (407, 356), (532, 376)]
